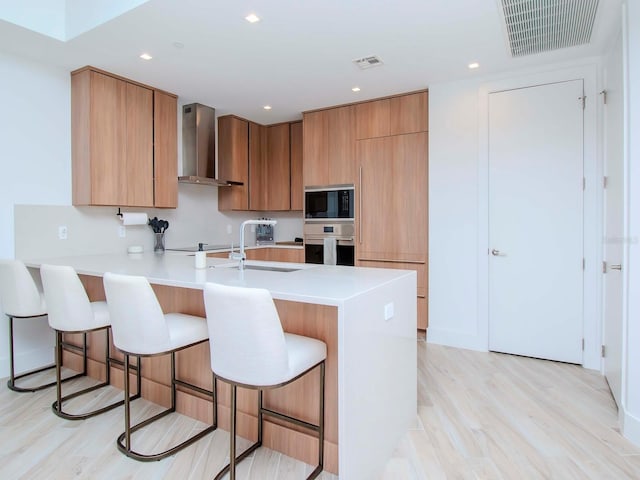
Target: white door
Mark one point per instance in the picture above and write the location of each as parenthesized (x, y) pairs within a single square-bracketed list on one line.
[(614, 223), (536, 221)]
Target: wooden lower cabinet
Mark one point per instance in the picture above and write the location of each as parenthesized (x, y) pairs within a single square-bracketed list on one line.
[(268, 254), (193, 365), (422, 280)]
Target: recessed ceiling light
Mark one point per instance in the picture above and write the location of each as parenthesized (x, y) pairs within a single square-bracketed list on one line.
[(267, 107), (355, 89), (146, 56), (178, 44), (474, 65), (252, 18)]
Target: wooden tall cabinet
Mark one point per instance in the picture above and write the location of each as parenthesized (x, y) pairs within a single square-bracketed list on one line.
[(392, 116), (123, 133), (329, 146), (233, 162)]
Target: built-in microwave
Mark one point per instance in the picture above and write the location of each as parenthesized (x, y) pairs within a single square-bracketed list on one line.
[(334, 202)]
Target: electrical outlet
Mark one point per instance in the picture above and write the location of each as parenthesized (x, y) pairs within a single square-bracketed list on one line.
[(62, 232), (229, 230), (122, 231), (388, 311)]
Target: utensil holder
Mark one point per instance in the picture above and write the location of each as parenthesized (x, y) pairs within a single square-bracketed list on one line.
[(158, 247)]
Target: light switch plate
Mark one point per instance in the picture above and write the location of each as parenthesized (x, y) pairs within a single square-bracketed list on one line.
[(62, 232), (388, 311)]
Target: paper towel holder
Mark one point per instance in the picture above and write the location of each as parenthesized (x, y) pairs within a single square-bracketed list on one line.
[(119, 214)]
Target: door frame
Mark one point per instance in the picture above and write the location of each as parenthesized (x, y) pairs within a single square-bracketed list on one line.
[(593, 196)]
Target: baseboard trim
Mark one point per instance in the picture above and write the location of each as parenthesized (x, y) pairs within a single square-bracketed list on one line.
[(630, 427), (456, 339)]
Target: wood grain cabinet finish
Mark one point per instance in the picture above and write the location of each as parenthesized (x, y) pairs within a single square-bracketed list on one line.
[(260, 157), (393, 219), (121, 133), (297, 196), (329, 147), (392, 116), (233, 162)]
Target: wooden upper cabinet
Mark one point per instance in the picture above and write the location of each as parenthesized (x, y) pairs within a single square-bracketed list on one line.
[(392, 116), (315, 170), (233, 162), (329, 146), (165, 141), (258, 156), (276, 180), (116, 144), (296, 166)]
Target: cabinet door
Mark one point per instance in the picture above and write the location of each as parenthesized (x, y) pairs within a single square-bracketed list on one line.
[(278, 172), (258, 186), (315, 148), (372, 119), (296, 166), (233, 162), (139, 146), (341, 145), (394, 176), (409, 113), (107, 134), (165, 140)]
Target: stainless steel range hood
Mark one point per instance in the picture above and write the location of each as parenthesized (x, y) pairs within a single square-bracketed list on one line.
[(198, 147)]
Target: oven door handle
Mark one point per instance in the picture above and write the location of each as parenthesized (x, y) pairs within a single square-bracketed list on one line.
[(320, 240)]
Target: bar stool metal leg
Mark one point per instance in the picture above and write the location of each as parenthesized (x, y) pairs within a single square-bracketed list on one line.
[(57, 405)]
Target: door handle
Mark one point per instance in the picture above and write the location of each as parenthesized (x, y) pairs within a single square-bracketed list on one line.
[(497, 253), (616, 267)]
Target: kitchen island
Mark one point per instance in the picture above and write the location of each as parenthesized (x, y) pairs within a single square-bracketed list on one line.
[(366, 316)]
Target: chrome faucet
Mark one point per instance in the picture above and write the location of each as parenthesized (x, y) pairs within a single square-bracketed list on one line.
[(241, 256)]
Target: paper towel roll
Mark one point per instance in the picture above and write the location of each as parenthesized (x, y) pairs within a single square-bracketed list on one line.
[(134, 218)]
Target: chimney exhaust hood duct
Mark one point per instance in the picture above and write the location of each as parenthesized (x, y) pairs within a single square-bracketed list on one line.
[(198, 146)]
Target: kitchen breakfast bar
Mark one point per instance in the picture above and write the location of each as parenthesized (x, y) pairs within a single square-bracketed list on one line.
[(366, 317)]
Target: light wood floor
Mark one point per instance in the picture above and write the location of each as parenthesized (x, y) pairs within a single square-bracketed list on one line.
[(480, 416)]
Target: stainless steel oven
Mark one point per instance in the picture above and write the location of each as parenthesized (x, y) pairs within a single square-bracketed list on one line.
[(329, 243), (329, 203)]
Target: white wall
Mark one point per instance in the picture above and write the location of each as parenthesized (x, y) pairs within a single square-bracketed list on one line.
[(631, 331), (458, 206), (35, 196), (35, 148)]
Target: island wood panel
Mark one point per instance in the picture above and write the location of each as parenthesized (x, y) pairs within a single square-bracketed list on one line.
[(165, 135), (138, 172), (296, 166), (294, 255), (193, 365)]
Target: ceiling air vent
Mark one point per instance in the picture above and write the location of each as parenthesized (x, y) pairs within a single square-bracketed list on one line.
[(368, 62), (535, 26)]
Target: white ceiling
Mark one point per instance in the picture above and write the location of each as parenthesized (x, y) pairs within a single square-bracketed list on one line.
[(299, 56)]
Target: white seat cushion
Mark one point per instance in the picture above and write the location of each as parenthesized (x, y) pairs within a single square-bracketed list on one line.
[(185, 330), (303, 353)]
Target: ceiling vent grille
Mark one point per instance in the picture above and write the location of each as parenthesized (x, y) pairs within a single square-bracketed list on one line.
[(368, 62), (535, 26)]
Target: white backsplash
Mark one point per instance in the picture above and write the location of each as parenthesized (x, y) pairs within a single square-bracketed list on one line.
[(96, 229)]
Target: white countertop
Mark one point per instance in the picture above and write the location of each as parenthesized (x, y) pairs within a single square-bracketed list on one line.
[(320, 284)]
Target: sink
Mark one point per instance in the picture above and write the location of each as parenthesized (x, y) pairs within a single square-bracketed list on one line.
[(268, 268)]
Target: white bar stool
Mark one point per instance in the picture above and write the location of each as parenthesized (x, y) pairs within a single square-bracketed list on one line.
[(249, 349), (141, 328), (70, 311), (21, 298)]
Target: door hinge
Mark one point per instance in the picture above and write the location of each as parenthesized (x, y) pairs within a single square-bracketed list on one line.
[(605, 182), (584, 183), (583, 344), (584, 263), (604, 266), (602, 351), (584, 101), (604, 96)]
